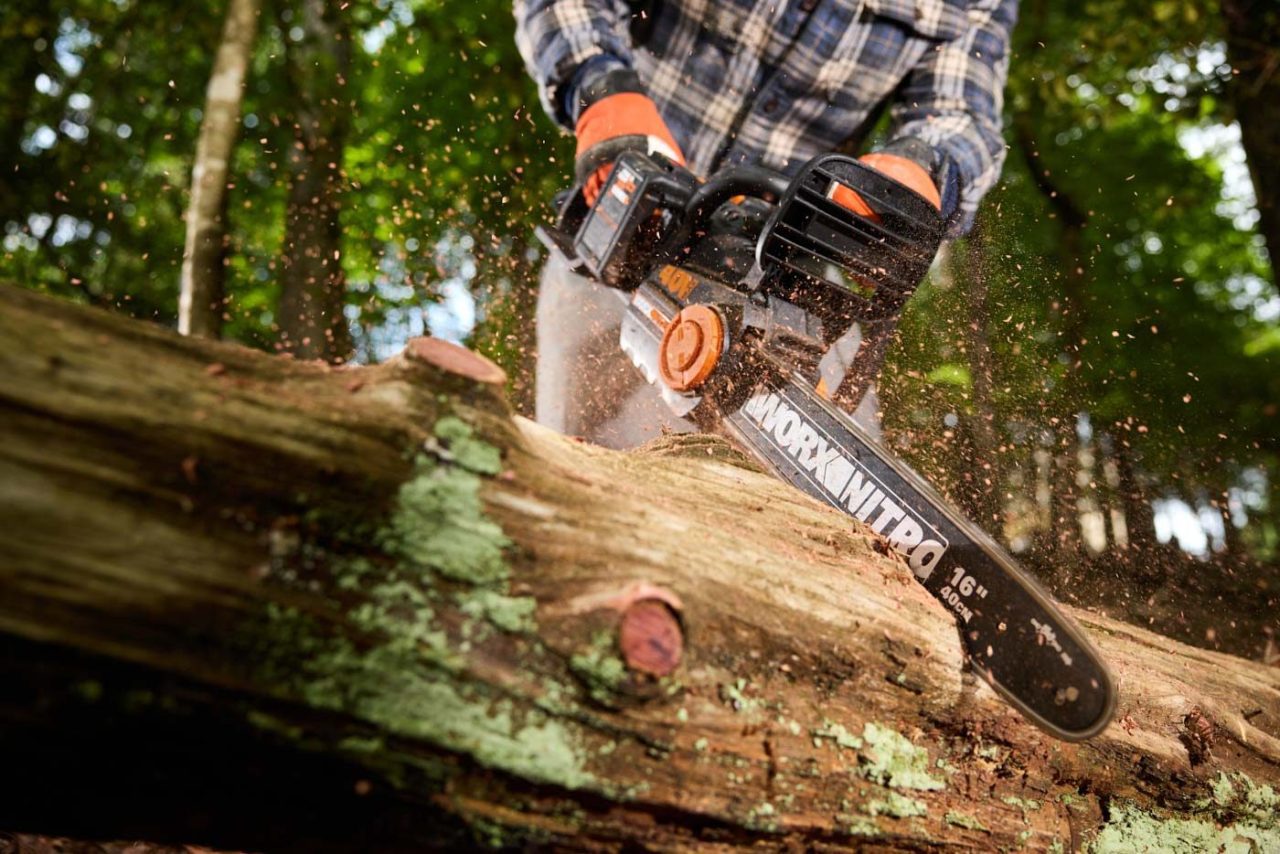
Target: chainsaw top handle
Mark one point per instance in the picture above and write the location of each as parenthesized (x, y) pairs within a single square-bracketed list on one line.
[(693, 207), (756, 181)]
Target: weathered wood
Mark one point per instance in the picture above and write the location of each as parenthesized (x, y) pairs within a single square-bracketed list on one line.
[(258, 603)]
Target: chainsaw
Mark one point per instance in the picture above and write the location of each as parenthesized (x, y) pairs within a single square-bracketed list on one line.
[(738, 285)]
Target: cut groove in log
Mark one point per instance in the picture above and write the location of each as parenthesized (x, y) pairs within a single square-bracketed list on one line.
[(378, 611)]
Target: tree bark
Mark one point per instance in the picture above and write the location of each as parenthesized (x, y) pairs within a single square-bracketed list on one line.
[(313, 285), (1253, 49), (265, 604), (203, 291)]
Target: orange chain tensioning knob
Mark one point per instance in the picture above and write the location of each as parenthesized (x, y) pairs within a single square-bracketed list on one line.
[(690, 348)]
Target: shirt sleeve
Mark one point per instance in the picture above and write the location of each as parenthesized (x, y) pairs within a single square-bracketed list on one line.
[(953, 100), (556, 38)]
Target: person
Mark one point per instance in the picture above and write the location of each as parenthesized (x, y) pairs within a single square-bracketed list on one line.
[(714, 83)]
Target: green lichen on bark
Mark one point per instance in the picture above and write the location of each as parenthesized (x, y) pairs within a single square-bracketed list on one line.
[(464, 449), (897, 806), (398, 663), (439, 525), (964, 820), (509, 613), (1023, 804), (836, 733), (507, 837), (1239, 815), (600, 668), (734, 694), (1133, 829), (1238, 794), (890, 759), (856, 825), (762, 817)]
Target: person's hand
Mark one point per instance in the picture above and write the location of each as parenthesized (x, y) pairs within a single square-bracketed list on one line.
[(905, 171), (627, 121)]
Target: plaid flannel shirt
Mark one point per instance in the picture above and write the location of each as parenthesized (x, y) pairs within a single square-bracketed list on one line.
[(778, 81)]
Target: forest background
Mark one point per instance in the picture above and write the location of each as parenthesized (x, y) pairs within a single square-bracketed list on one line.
[(1094, 373)]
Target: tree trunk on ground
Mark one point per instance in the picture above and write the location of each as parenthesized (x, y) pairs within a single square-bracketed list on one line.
[(266, 604), (1253, 49), (201, 302), (313, 286)]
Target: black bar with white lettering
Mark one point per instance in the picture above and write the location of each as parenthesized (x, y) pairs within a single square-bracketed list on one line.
[(1015, 637)]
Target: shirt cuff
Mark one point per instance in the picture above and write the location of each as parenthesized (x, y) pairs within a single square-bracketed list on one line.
[(588, 72), (940, 167)]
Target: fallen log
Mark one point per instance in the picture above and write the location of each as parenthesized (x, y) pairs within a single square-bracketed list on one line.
[(257, 603)]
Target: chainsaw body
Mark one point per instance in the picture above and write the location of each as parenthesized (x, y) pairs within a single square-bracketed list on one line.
[(738, 286), (800, 266)]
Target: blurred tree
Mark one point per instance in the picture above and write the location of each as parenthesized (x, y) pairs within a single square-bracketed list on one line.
[(31, 23), (200, 304), (1253, 47), (103, 136), (312, 319), (1130, 358)]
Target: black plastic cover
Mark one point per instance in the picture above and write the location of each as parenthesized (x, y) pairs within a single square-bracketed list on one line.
[(618, 239), (886, 257)]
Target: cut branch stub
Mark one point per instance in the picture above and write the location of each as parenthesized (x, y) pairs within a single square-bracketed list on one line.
[(621, 643), (651, 638), (456, 360)]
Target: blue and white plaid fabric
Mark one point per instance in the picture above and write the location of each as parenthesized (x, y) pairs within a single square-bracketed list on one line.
[(777, 82)]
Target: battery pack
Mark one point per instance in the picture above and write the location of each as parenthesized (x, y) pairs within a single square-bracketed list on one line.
[(620, 234)]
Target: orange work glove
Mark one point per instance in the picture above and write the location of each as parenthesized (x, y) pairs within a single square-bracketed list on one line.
[(905, 171), (627, 121)]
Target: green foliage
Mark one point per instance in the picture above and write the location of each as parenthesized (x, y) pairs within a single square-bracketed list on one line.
[(450, 160), (1125, 289)]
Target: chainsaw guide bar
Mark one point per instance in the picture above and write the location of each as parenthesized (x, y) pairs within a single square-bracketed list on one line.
[(729, 311)]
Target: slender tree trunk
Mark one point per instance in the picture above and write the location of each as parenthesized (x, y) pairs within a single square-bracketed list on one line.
[(1144, 556), (1107, 490), (203, 293), (1070, 304), (988, 470), (1253, 49), (313, 286), (17, 96), (265, 604)]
